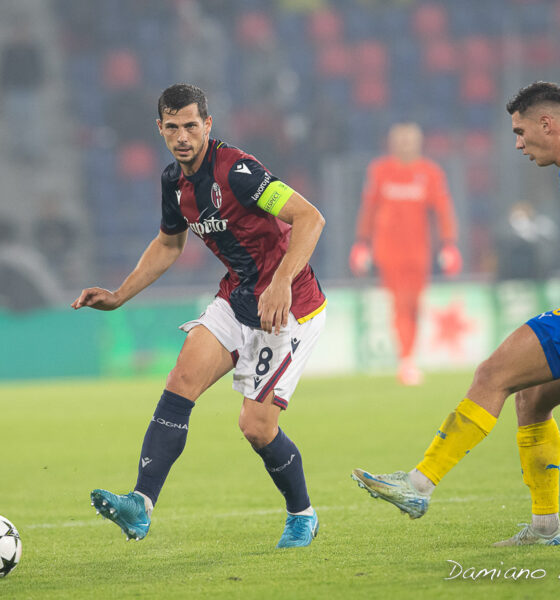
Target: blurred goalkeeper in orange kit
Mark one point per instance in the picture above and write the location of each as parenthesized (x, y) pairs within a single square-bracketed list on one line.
[(393, 232)]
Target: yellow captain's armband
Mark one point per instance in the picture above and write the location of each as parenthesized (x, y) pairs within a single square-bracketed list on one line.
[(274, 197)]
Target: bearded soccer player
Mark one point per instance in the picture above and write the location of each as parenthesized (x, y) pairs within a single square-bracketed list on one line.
[(263, 323), (401, 191), (526, 363)]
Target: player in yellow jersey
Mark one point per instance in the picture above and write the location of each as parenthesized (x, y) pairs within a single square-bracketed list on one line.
[(527, 363)]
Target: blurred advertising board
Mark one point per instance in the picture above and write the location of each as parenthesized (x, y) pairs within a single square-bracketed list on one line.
[(460, 325)]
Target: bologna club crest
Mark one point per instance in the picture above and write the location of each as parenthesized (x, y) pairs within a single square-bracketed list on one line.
[(216, 195)]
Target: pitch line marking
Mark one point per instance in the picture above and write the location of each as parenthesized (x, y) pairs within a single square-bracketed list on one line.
[(260, 512), (227, 515)]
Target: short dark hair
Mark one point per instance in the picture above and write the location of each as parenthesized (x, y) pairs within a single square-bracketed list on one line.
[(531, 95), (179, 95)]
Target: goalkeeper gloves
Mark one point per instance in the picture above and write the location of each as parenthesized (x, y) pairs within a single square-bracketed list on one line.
[(360, 259), (449, 260)]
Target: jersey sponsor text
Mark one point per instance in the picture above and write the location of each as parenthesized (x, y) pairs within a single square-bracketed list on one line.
[(211, 225), (264, 183)]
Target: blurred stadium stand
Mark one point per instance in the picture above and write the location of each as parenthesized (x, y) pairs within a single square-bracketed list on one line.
[(310, 87)]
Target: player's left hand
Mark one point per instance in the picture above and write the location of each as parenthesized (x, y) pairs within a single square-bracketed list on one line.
[(274, 305), (450, 261)]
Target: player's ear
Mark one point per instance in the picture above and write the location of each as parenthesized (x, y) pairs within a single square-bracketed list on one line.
[(546, 124), (160, 126), (208, 124)]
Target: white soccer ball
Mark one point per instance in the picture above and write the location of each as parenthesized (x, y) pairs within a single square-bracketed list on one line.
[(10, 547)]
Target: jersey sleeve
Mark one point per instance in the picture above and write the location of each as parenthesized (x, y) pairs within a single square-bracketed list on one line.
[(253, 185), (442, 205), (366, 215), (172, 220)]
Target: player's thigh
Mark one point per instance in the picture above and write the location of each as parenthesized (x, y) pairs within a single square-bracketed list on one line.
[(535, 404), (202, 361), (518, 363)]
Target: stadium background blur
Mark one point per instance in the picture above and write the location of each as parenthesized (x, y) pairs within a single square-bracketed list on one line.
[(308, 86)]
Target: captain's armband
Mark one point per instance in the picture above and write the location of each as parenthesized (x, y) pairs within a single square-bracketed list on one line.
[(274, 197)]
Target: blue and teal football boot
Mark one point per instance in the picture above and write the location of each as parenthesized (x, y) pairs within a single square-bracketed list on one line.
[(125, 510), (299, 530)]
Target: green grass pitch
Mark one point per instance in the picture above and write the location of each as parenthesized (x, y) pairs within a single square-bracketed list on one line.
[(219, 517)]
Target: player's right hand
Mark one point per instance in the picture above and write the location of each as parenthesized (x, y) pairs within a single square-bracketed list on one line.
[(98, 298), (360, 259)]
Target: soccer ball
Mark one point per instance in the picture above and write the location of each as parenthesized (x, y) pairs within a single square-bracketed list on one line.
[(10, 547)]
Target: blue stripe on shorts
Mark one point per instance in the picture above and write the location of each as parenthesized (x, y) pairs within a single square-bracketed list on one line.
[(547, 328)]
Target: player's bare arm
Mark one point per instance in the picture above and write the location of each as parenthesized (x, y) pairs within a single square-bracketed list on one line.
[(307, 223), (162, 252)]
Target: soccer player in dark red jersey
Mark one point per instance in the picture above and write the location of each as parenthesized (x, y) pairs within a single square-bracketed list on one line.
[(263, 323)]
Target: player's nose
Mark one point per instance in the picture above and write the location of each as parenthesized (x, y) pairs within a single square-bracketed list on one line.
[(182, 137)]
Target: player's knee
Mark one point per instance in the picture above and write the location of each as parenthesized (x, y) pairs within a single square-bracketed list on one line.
[(257, 433), (490, 376), (483, 374), (183, 383)]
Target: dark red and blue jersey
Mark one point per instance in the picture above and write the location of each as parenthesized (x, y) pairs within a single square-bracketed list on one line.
[(219, 204)]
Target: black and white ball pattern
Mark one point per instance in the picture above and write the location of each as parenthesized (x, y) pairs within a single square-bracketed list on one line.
[(10, 547)]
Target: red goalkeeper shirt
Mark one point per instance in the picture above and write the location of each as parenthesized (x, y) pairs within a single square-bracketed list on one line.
[(396, 202)]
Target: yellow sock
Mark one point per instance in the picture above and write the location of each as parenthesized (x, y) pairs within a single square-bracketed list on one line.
[(539, 451), (463, 429)]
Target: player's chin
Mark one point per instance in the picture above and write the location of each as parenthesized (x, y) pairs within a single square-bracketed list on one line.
[(184, 156), (542, 161)]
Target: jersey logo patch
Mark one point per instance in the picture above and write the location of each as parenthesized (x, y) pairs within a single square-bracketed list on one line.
[(178, 194), (216, 195), (242, 168)]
